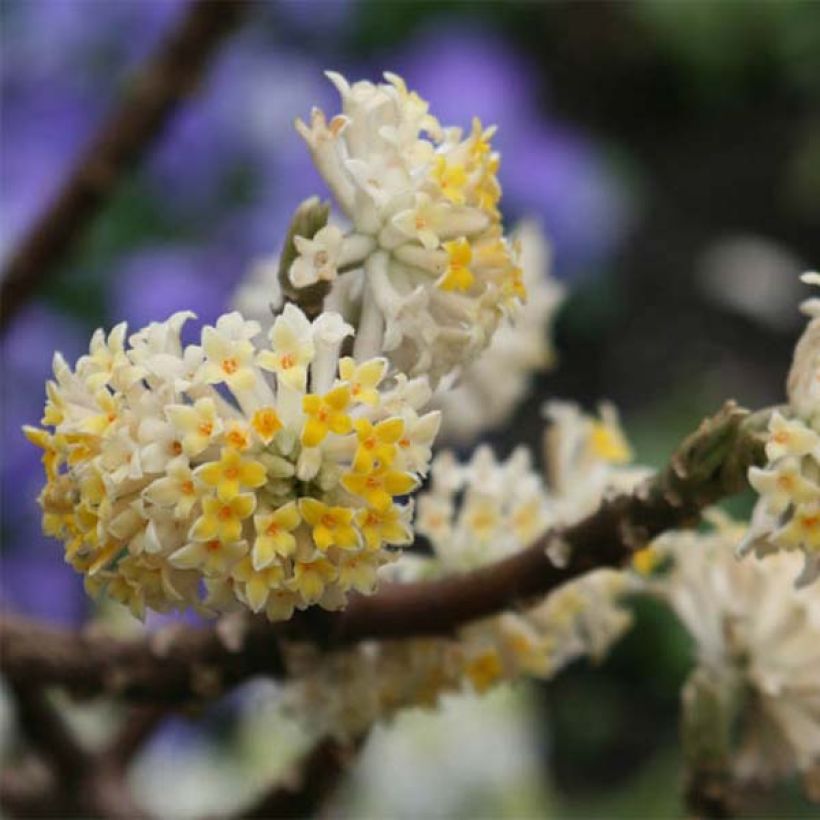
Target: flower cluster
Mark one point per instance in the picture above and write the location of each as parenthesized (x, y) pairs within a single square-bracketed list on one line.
[(756, 636), (519, 349), (787, 516), (474, 514), (426, 262), (264, 475)]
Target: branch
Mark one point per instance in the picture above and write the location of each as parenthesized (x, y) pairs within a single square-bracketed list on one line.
[(320, 774), (176, 665), (709, 465), (171, 75)]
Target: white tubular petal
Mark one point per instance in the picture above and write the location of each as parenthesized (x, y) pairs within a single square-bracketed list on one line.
[(355, 250), (370, 334), (329, 332), (434, 262)]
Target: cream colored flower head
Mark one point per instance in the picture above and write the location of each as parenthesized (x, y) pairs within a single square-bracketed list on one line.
[(268, 472), (425, 261)]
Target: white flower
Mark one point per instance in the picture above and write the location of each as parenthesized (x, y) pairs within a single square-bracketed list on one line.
[(750, 624), (787, 516), (256, 476), (317, 257)]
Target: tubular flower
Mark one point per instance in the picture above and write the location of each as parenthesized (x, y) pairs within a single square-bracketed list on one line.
[(787, 516), (269, 470), (473, 514), (426, 261)]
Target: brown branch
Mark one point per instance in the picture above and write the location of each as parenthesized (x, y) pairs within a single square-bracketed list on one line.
[(172, 74), (710, 465), (320, 774), (177, 665), (76, 783)]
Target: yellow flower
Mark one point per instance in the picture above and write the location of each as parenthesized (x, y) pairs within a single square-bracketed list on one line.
[(376, 443), (458, 275), (326, 414), (45, 441), (607, 442), (311, 577), (222, 520), (383, 526), (484, 670), (363, 379), (258, 582), (110, 405), (213, 556), (231, 473), (293, 348), (229, 360), (331, 525), (646, 560), (176, 489), (803, 529), (358, 572), (266, 423), (480, 139), (198, 423), (237, 435), (274, 534), (378, 487), (451, 179)]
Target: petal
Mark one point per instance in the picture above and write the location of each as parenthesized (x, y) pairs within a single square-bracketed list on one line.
[(287, 516), (313, 432), (390, 430), (257, 592), (189, 557), (243, 505), (311, 510), (253, 474), (263, 553)]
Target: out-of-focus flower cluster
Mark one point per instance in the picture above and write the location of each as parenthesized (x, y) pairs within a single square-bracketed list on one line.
[(475, 514), (757, 639), (428, 267), (270, 471), (787, 516)]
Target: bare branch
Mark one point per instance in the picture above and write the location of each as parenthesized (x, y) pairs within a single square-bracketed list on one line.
[(172, 74)]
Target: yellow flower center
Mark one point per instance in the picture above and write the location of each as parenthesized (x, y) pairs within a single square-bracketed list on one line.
[(230, 365)]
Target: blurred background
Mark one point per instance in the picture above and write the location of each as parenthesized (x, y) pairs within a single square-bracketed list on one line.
[(671, 152)]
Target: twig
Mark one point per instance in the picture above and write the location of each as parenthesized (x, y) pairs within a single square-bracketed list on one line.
[(318, 778), (172, 74), (710, 465)]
